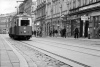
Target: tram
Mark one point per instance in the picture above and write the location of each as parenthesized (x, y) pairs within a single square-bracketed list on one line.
[(20, 27)]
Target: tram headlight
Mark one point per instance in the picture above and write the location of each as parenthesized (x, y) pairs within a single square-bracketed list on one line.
[(24, 31)]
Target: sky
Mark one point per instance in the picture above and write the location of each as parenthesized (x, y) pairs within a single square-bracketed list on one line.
[(8, 6)]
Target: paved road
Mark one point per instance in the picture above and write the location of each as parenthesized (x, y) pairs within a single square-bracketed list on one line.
[(82, 50)]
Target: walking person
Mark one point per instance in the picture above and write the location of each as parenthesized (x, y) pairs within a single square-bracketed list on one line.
[(53, 32), (56, 32), (64, 32), (76, 31), (88, 33), (34, 33), (50, 34), (61, 32)]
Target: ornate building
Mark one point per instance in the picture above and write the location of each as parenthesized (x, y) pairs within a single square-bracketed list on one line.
[(55, 15), (85, 14), (21, 8), (29, 6), (40, 16), (4, 22)]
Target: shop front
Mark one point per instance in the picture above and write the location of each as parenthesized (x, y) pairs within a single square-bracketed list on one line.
[(95, 26), (75, 21), (47, 27), (89, 22)]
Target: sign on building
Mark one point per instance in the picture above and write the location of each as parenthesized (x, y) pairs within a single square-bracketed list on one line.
[(84, 18)]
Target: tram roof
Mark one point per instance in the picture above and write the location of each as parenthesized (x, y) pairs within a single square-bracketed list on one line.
[(22, 15)]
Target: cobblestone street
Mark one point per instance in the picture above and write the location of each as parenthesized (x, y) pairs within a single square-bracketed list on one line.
[(33, 57), (37, 58)]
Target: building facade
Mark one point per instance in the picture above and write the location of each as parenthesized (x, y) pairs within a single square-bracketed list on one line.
[(21, 8), (29, 6), (4, 22), (33, 14), (55, 15), (40, 16), (3, 27), (85, 14)]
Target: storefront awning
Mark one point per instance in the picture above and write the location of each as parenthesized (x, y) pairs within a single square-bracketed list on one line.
[(85, 9)]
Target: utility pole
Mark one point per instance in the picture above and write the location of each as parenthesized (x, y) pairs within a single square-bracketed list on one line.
[(51, 15), (60, 23)]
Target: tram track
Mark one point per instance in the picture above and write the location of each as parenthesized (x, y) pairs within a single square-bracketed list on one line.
[(22, 43), (84, 65), (76, 62), (76, 46), (68, 59), (79, 63), (69, 45)]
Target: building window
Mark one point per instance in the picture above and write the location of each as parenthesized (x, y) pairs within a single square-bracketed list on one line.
[(74, 3), (97, 0), (79, 3)]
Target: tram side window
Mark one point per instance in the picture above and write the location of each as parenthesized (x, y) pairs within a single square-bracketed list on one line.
[(25, 23), (17, 22)]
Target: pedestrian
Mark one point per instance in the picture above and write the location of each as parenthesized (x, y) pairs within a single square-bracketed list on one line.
[(88, 33), (37, 33), (50, 33), (53, 33), (76, 31), (56, 32), (64, 32), (40, 33), (34, 33), (61, 33)]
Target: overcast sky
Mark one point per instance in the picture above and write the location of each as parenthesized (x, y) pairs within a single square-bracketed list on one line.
[(8, 6)]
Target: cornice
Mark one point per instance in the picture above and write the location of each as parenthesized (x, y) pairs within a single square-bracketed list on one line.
[(84, 6)]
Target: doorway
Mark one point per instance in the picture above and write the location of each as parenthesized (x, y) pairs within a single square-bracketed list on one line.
[(86, 29), (86, 25)]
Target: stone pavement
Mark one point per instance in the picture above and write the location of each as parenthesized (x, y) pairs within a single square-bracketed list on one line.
[(9, 56), (80, 38), (80, 41), (84, 39)]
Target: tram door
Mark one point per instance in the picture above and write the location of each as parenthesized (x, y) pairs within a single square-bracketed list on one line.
[(85, 29)]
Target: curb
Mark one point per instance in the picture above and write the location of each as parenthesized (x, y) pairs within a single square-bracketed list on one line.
[(23, 62)]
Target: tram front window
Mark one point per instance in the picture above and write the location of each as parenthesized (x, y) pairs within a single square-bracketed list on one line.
[(25, 23)]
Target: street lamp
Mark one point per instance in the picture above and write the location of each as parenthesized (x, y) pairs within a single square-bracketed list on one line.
[(51, 25)]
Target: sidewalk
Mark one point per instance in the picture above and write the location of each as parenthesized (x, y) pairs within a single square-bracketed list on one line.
[(80, 38), (93, 43), (9, 56)]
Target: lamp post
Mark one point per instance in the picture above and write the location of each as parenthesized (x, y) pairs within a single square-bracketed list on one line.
[(51, 16), (60, 12), (60, 23)]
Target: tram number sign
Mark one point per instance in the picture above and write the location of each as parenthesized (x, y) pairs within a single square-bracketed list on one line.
[(24, 18)]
